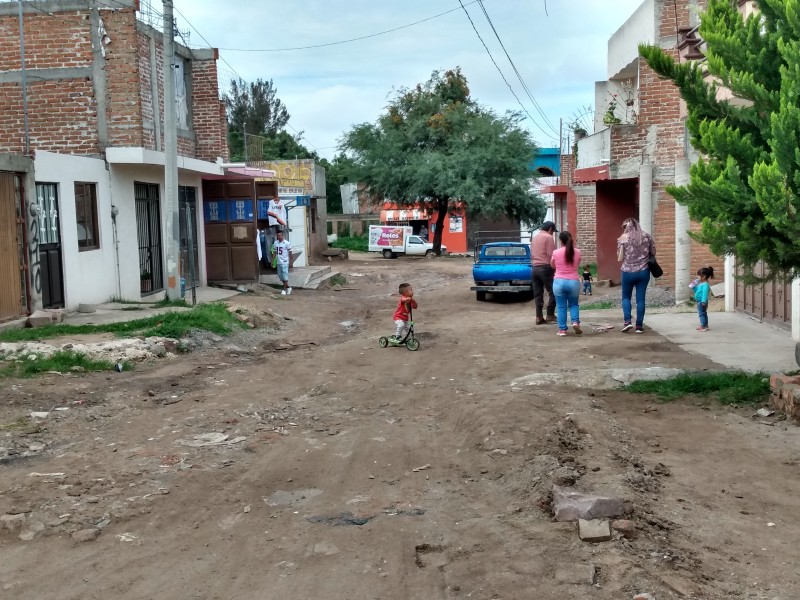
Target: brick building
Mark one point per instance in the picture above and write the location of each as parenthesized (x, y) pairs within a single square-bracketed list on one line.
[(638, 148), (95, 133)]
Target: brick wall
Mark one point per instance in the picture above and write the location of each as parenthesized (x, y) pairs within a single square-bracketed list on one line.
[(124, 105), (664, 233), (62, 114), (567, 168), (211, 137), (586, 227)]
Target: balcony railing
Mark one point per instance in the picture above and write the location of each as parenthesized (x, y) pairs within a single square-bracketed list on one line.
[(595, 150)]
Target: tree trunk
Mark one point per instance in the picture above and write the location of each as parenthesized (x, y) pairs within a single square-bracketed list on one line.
[(441, 206)]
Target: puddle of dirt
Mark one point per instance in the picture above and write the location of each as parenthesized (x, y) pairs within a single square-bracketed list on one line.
[(341, 519), (83, 338)]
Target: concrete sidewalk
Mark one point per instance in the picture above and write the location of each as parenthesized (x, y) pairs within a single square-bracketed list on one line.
[(734, 340)]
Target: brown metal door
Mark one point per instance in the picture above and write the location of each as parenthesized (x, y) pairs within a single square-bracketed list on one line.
[(770, 301), (12, 239)]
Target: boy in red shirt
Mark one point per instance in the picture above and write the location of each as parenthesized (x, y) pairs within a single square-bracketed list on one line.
[(402, 314)]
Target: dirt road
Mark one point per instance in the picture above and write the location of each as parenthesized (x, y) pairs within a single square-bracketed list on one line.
[(352, 472)]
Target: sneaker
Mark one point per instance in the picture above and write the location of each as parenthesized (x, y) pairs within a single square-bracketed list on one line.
[(283, 292), (701, 328), (540, 321), (562, 332), (288, 291), (640, 330), (576, 327), (627, 327)]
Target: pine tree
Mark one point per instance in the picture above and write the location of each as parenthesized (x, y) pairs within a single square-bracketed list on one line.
[(745, 188)]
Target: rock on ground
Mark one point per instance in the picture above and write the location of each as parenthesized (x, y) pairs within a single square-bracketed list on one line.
[(569, 505)]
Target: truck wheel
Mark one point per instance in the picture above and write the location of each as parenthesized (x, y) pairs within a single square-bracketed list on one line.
[(430, 254), (480, 296), (387, 254)]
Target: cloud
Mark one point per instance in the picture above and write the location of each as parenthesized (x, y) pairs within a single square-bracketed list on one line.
[(326, 90)]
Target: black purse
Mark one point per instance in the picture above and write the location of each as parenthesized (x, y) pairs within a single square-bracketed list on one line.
[(655, 269)]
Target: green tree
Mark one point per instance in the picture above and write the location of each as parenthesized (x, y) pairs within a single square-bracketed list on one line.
[(255, 107), (744, 189), (437, 146)]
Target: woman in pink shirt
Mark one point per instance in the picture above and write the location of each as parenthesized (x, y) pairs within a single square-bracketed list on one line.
[(566, 283)]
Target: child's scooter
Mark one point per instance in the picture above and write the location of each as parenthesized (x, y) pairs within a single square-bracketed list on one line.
[(409, 341)]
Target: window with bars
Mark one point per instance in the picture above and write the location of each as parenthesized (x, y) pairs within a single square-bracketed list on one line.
[(86, 216)]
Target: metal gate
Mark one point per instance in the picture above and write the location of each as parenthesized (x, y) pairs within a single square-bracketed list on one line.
[(187, 204), (13, 249), (148, 226), (771, 301), (52, 273)]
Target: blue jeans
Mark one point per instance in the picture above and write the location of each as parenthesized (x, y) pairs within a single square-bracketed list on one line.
[(566, 293), (702, 312), (638, 280), (587, 287)]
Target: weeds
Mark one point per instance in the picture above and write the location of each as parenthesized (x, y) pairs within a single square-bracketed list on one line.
[(62, 361), (597, 305), (213, 317), (21, 425), (167, 303), (338, 279), (359, 243), (729, 387)]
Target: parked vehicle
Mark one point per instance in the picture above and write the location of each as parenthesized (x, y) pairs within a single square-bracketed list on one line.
[(502, 267), (393, 240)]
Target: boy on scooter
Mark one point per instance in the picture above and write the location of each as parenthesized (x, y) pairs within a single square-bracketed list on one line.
[(403, 313)]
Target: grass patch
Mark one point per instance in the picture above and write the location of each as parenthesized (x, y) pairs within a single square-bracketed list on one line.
[(600, 305), (62, 361), (729, 387), (167, 303), (131, 308), (213, 317), (338, 279), (357, 243), (21, 425)]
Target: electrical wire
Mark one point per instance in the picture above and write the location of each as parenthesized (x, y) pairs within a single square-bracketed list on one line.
[(356, 39), (517, 73), (499, 70), (202, 37)]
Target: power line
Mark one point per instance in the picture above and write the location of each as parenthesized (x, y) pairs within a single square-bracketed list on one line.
[(516, 71), (499, 70), (202, 37), (356, 39)]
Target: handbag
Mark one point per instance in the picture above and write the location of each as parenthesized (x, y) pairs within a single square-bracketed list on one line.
[(655, 269)]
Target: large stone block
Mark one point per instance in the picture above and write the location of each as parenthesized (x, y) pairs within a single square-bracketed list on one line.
[(569, 505)]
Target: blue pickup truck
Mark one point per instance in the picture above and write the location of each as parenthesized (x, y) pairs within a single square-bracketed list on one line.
[(502, 267)]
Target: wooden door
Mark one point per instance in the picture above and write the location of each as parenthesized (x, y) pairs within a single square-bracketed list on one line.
[(12, 248)]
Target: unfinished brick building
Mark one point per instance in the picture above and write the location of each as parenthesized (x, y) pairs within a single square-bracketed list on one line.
[(95, 108)]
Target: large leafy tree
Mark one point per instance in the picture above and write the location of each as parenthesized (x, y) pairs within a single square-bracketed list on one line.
[(744, 189), (435, 145)]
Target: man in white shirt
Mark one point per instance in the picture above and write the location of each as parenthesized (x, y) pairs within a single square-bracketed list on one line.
[(281, 252)]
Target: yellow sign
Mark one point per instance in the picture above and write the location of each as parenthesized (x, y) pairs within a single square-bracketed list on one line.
[(290, 173)]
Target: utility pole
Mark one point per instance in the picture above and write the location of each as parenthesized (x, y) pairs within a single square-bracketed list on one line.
[(171, 158), (24, 81)]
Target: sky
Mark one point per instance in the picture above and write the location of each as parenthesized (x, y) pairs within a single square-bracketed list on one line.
[(558, 46)]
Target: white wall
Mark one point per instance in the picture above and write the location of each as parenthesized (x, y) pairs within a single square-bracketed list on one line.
[(122, 187), (89, 276), (623, 46)]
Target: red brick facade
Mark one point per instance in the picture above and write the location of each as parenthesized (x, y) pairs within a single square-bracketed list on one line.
[(63, 102), (658, 138)]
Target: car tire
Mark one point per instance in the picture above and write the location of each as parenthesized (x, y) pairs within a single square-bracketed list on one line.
[(388, 254), (430, 254), (480, 296)]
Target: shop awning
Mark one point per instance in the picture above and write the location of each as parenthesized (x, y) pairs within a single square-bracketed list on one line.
[(412, 214)]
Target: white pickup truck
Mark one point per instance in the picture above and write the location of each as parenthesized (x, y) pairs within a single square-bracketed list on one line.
[(393, 240)]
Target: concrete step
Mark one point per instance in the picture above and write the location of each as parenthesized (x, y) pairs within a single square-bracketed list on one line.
[(301, 277)]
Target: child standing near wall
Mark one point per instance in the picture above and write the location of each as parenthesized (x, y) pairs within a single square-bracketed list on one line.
[(587, 280), (701, 293)]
